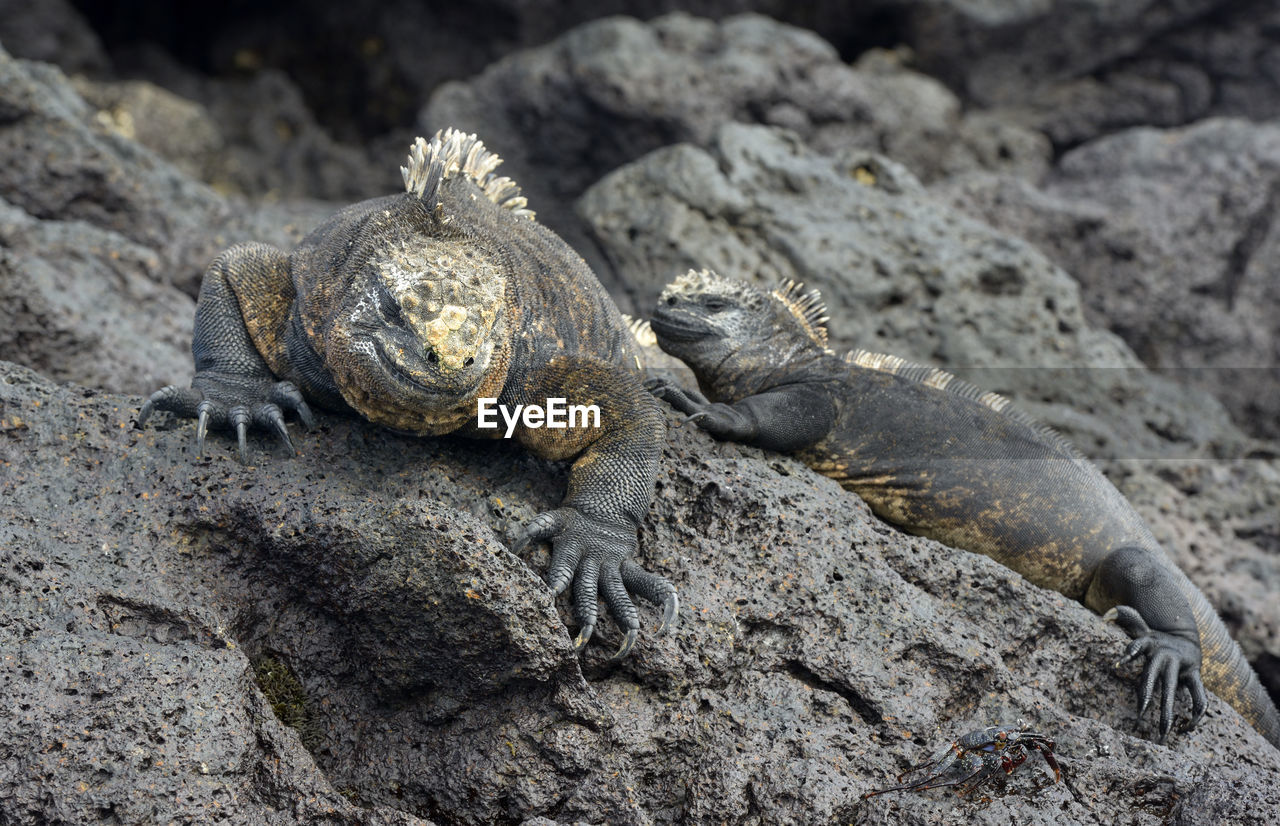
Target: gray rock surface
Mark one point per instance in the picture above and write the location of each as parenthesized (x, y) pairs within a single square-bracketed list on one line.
[(999, 51), (1172, 235), (1075, 68), (1223, 60), (437, 681), (88, 305), (341, 637), (242, 135), (60, 160), (102, 242), (52, 31), (86, 172), (901, 273), (605, 93)]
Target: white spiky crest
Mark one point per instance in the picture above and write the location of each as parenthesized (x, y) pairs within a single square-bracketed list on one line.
[(700, 282), (449, 152), (808, 308), (641, 330)]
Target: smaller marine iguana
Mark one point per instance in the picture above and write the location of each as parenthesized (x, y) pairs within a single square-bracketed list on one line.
[(409, 309), (940, 458)]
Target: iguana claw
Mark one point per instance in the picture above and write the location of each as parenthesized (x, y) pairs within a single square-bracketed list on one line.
[(202, 425), (584, 637), (239, 418), (273, 418), (670, 611), (627, 642)]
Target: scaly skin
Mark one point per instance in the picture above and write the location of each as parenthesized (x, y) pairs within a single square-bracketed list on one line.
[(937, 457), (408, 309)]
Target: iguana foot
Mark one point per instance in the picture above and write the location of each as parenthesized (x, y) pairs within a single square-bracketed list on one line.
[(593, 553), (720, 420), (230, 402), (685, 401), (1172, 661)]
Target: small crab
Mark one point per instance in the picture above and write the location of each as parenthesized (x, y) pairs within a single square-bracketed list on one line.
[(989, 754)]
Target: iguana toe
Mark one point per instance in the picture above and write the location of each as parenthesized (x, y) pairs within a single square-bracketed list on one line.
[(584, 637), (670, 612), (585, 586), (655, 589), (1199, 697), (181, 401), (204, 411), (685, 401), (542, 527), (270, 416), (286, 396)]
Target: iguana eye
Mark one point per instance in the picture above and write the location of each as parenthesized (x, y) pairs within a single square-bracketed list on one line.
[(714, 304), (432, 357), (388, 307)]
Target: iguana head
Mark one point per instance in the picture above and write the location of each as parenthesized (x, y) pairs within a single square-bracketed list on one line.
[(422, 334), (724, 326)]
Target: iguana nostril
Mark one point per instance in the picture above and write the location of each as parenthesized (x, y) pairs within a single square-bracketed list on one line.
[(468, 362), (432, 357)]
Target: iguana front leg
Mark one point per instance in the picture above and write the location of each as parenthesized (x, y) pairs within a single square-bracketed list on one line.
[(233, 387), (786, 418), (593, 532)]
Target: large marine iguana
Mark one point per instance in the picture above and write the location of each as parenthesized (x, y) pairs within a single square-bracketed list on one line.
[(940, 458), (409, 309)]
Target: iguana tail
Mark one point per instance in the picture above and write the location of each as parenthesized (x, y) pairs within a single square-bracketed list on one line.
[(1226, 672)]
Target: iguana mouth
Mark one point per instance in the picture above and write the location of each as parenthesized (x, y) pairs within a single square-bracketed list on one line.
[(679, 326), (391, 367)]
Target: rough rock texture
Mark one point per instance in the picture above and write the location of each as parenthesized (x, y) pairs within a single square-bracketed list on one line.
[(100, 238), (51, 31), (175, 128), (249, 135), (84, 171), (88, 305), (984, 48), (901, 273), (60, 160), (1222, 60), (801, 674), (1172, 235), (161, 615), (607, 92), (1076, 68)]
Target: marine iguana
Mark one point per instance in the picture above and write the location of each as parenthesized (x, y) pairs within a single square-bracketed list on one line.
[(940, 458), (409, 309)]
